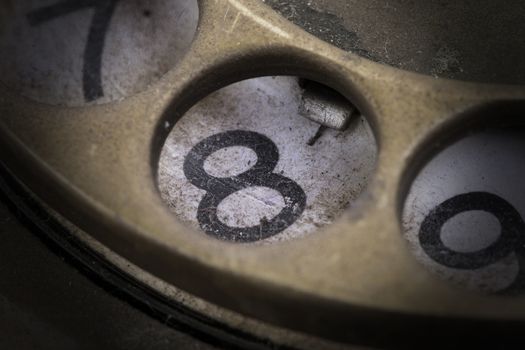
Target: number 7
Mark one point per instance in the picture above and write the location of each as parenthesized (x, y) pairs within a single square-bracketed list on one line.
[(92, 70)]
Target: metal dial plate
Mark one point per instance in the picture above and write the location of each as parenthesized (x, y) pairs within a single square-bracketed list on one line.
[(97, 166)]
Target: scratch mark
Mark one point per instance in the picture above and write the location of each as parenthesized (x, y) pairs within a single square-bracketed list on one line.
[(226, 13), (261, 21), (234, 22)]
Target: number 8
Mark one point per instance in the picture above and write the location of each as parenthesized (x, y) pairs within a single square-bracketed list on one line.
[(259, 175)]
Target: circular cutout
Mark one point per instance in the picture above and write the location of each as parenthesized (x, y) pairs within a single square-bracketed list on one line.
[(463, 216), (300, 175), (77, 52)]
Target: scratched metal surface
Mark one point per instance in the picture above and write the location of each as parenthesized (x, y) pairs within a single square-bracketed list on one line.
[(468, 40)]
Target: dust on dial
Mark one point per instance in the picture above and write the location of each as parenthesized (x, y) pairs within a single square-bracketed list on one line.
[(478, 40), (244, 165), (463, 216), (74, 52)]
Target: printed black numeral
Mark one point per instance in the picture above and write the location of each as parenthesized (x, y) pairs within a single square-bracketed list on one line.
[(259, 175), (104, 9), (511, 239)]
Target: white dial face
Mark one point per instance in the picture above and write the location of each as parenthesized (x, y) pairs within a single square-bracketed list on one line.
[(243, 164), (463, 216), (74, 52)]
